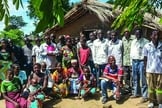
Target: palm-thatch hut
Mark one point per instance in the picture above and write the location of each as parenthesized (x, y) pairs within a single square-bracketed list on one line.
[(91, 14)]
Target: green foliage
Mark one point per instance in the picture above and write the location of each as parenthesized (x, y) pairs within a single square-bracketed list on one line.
[(15, 22), (48, 12), (4, 9), (16, 35), (111, 1), (133, 12)]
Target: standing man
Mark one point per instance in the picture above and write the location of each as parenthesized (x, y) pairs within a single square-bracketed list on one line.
[(49, 51), (53, 37), (138, 71), (27, 49), (153, 64), (127, 40), (100, 54), (115, 48), (37, 58), (90, 45), (108, 35)]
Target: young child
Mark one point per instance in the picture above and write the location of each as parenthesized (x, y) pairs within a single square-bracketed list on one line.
[(88, 82), (84, 53), (111, 79), (60, 78), (35, 94), (50, 82), (73, 74)]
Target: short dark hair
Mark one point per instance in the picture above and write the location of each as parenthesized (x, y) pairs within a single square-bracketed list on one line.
[(37, 64), (156, 31)]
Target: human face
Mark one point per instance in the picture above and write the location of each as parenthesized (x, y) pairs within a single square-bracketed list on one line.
[(36, 69), (27, 41), (113, 36), (43, 66), (10, 42), (38, 41), (154, 36), (62, 39), (138, 34), (86, 71), (112, 61), (73, 41), (4, 44), (10, 75), (83, 43), (47, 39), (127, 34), (76, 40), (100, 34), (16, 70), (52, 37), (68, 42), (91, 36), (59, 67), (74, 65)]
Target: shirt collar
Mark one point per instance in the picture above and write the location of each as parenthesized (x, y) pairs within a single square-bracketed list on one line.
[(116, 42), (103, 40), (159, 44), (130, 38)]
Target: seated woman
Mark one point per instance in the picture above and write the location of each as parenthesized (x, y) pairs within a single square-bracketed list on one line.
[(88, 82), (61, 83), (10, 89), (20, 74), (41, 79), (73, 75), (111, 79)]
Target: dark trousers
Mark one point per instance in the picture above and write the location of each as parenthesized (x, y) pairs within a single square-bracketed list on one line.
[(99, 73), (127, 76)]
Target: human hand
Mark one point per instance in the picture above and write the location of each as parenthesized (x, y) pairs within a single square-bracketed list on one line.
[(16, 105), (85, 85), (117, 95), (39, 90), (50, 54), (32, 98), (96, 66)]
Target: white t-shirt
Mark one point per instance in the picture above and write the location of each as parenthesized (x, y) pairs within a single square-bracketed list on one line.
[(154, 57)]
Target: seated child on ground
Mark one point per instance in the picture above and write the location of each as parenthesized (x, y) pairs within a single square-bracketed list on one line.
[(73, 75), (60, 81), (35, 94), (48, 91), (88, 82)]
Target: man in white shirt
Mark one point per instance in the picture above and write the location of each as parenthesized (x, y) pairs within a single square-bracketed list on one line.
[(90, 45), (127, 65), (100, 55), (115, 48), (48, 52), (153, 63), (27, 50), (138, 72), (37, 58)]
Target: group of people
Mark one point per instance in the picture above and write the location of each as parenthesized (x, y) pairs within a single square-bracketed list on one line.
[(82, 66)]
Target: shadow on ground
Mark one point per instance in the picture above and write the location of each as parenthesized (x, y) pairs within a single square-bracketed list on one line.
[(50, 103)]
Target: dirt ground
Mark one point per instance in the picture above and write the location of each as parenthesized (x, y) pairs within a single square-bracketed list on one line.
[(93, 102)]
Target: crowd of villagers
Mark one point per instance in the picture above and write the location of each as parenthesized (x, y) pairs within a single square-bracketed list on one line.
[(50, 67)]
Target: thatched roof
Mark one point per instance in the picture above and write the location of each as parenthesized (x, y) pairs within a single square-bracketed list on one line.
[(104, 12)]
